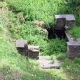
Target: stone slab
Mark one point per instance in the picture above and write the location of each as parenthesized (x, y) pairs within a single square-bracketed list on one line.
[(21, 43), (73, 49), (49, 64), (68, 17), (44, 57)]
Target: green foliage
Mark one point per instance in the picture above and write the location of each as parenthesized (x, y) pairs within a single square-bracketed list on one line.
[(61, 56), (43, 10), (3, 4), (46, 9), (73, 7), (72, 68), (56, 46), (53, 57), (75, 32), (1, 29), (35, 35), (11, 61), (77, 60)]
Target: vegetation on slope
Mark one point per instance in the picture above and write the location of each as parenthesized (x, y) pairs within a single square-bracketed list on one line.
[(13, 66), (43, 10), (46, 9), (11, 28)]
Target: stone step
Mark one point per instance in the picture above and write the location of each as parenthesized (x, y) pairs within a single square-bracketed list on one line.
[(44, 57), (49, 64)]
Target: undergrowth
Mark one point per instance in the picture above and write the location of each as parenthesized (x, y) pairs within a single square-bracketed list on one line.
[(44, 10), (11, 29), (14, 66)]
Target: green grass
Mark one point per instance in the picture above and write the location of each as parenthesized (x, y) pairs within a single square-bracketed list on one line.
[(35, 35), (75, 32), (11, 62), (44, 10), (71, 68)]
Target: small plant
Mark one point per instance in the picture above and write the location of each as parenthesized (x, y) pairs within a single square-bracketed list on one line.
[(61, 56), (53, 57)]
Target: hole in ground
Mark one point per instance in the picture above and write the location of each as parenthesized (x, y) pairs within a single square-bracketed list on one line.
[(53, 33)]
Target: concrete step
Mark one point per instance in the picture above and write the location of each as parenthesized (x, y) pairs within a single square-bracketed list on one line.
[(49, 64)]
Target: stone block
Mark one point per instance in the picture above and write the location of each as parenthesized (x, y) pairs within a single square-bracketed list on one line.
[(65, 20), (22, 47), (69, 24), (73, 49), (60, 23), (68, 17), (21, 43), (33, 51)]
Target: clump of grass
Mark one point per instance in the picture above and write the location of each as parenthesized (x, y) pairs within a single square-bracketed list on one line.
[(61, 56), (75, 31), (71, 67)]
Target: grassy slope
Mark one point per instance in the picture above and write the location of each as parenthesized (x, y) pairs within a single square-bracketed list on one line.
[(75, 32), (13, 65)]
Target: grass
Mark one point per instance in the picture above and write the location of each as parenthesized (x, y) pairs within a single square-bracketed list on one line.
[(44, 10), (75, 32), (15, 66), (71, 68)]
